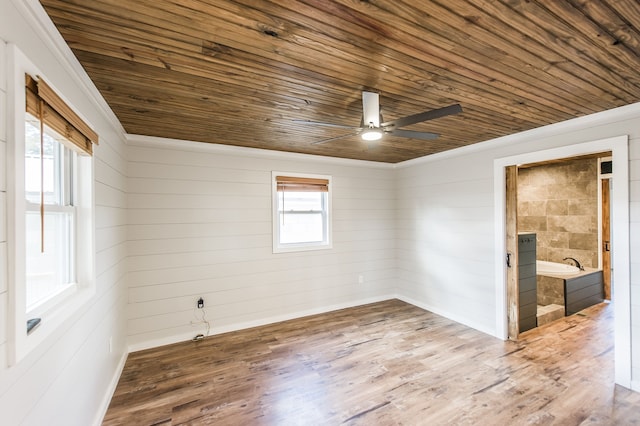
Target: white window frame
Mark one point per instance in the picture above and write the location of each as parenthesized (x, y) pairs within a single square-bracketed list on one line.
[(67, 182), (61, 309), (327, 217)]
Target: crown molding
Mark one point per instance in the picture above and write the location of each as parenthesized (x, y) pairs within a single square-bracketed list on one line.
[(626, 112), (186, 145)]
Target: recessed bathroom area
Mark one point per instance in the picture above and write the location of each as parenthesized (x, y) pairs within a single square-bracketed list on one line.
[(563, 238)]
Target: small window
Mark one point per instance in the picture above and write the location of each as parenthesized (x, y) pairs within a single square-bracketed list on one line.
[(301, 212)]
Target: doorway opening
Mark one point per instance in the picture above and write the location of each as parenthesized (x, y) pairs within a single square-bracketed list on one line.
[(559, 210), (505, 180)]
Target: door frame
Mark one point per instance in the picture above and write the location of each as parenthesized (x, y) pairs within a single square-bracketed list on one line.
[(604, 226), (619, 230), (511, 245)]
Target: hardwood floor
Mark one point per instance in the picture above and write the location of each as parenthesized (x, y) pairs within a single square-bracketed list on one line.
[(388, 363)]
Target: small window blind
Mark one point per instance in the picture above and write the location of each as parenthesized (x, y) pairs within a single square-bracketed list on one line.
[(301, 184), (44, 104)]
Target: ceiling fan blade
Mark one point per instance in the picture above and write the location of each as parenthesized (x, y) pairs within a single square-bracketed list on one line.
[(414, 135), (336, 138), (319, 123), (371, 109), (424, 116)]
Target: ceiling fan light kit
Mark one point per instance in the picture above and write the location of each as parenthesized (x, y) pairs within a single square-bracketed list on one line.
[(371, 134), (376, 129)]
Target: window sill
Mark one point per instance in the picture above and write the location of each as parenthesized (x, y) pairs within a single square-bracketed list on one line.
[(52, 319), (50, 303), (292, 248)]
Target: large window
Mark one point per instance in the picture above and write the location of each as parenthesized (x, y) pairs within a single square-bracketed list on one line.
[(301, 212), (50, 209), (50, 216)]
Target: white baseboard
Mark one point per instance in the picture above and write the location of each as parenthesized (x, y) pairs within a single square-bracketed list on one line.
[(106, 399), (182, 337)]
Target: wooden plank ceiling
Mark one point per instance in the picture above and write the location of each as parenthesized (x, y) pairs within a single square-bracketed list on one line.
[(241, 72)]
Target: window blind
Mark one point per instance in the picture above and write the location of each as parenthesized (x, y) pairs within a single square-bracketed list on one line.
[(49, 108), (46, 105), (301, 184)]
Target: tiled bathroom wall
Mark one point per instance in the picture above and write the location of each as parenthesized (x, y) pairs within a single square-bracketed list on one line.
[(559, 202)]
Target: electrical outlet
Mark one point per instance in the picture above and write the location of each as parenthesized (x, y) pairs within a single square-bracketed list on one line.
[(200, 303), (360, 279), (110, 344)]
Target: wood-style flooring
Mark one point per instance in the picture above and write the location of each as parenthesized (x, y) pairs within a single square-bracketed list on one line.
[(387, 363)]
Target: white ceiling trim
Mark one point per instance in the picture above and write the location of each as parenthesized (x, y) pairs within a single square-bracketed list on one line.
[(185, 145), (623, 113)]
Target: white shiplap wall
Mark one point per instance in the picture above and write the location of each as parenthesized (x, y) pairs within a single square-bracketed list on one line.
[(200, 226), (446, 221), (634, 237), (68, 379), (445, 231), (3, 207)]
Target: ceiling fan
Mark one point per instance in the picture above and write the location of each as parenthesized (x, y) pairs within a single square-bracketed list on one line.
[(372, 128)]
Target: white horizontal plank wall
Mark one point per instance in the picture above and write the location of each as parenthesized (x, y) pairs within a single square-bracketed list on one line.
[(3, 208), (69, 379), (445, 235), (200, 226), (446, 220), (634, 252)]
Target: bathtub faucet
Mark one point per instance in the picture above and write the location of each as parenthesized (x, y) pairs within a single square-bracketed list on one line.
[(578, 265)]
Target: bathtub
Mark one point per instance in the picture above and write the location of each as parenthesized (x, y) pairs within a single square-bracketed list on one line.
[(543, 267)]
